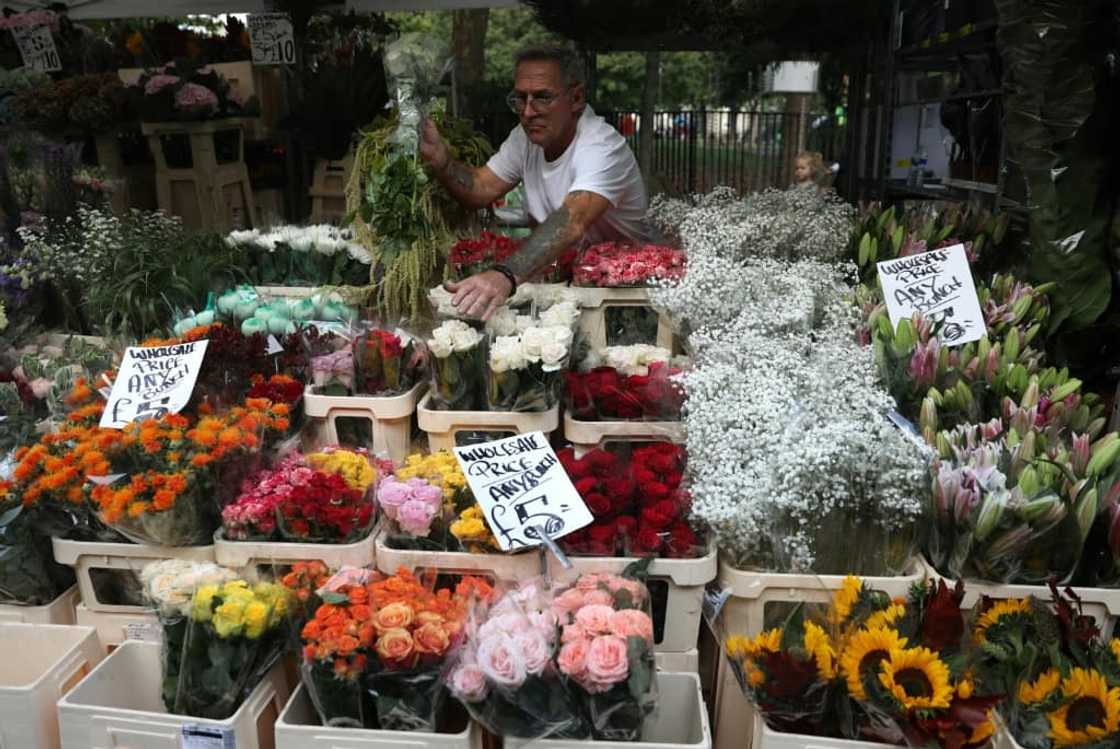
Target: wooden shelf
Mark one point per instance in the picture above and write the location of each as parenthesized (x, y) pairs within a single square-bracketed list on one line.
[(964, 184)]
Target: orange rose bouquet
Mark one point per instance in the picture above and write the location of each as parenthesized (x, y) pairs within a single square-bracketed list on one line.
[(375, 650)]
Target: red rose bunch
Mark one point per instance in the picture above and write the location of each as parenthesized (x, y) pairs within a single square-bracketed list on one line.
[(606, 393), (279, 388), (615, 264), (325, 506), (385, 364), (639, 506), (470, 256)]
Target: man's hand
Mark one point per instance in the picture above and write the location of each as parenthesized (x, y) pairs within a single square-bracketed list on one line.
[(433, 149), (481, 294)]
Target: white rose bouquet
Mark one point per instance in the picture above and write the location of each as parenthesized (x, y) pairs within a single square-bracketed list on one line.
[(526, 370), (457, 367)]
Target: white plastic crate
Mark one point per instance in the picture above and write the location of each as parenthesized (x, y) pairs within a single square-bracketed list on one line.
[(680, 721), (114, 629), (286, 292), (442, 426), (767, 738), (683, 663), (685, 578), (588, 435), (595, 302), (118, 705), (238, 554), (41, 663), (744, 613), (58, 611), (299, 728), (499, 566), (85, 556), (390, 418)]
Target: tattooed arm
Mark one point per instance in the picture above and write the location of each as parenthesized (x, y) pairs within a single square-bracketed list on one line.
[(473, 187), (482, 293)]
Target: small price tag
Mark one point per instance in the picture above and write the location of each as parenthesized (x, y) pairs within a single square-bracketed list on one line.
[(108, 480), (272, 38), (207, 737), (143, 631), (36, 47), (274, 346)]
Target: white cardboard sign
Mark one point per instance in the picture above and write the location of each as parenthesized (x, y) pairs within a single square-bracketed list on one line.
[(37, 48), (272, 38), (938, 285), (523, 490), (153, 382)]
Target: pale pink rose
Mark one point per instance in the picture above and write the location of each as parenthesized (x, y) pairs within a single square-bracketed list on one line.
[(432, 495), (573, 632), (415, 517), (545, 622), (632, 623), (40, 387), (535, 651), (468, 683), (566, 603), (595, 619), (391, 495), (607, 661), (500, 660), (572, 659), (598, 597)]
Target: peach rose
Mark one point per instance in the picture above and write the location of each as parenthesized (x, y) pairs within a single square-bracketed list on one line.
[(599, 597), (431, 638), (395, 645), (607, 663), (573, 658), (595, 619), (567, 602), (632, 623), (572, 632), (429, 617), (588, 582), (394, 616)]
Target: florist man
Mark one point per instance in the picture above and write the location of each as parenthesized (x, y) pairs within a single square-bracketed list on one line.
[(581, 179)]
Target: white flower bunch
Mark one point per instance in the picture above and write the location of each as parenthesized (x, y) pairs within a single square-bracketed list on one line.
[(453, 336), (629, 360), (170, 583), (506, 322), (547, 345), (543, 295), (323, 239)]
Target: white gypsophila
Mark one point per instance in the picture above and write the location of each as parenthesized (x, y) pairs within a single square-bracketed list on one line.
[(507, 353)]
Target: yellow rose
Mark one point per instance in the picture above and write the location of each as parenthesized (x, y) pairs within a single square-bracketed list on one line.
[(203, 598), (469, 528), (256, 619), (229, 618)]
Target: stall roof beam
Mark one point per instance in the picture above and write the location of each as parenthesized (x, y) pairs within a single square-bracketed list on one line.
[(104, 9)]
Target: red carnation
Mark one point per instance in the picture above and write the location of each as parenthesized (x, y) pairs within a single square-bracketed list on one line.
[(647, 541), (598, 504), (682, 540), (658, 516), (619, 490), (587, 485), (603, 539)]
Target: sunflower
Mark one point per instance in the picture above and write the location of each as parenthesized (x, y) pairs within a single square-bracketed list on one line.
[(982, 732), (1114, 646), (1000, 610), (818, 645), (739, 647), (1031, 693), (844, 599), (865, 650), (917, 678), (1091, 711), (886, 617)]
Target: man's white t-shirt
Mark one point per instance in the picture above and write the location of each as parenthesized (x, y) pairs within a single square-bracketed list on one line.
[(598, 160)]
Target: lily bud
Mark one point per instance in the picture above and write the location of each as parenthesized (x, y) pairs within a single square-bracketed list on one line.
[(1086, 509), (1030, 397), (1011, 346), (1070, 387), (927, 418), (1031, 333), (944, 449), (1010, 543), (1044, 511), (1114, 531), (990, 513), (1079, 454)]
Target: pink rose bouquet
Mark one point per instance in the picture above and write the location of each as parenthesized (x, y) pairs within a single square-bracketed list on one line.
[(614, 264), (413, 504), (506, 673), (606, 636)]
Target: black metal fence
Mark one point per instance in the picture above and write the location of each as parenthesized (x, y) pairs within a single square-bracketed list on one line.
[(696, 150)]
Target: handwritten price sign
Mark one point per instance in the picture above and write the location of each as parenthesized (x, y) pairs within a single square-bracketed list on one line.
[(523, 490), (272, 38), (36, 47), (153, 382), (938, 285)]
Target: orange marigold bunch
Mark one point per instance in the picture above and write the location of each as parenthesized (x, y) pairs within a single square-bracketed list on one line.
[(150, 491), (304, 578), (341, 633)]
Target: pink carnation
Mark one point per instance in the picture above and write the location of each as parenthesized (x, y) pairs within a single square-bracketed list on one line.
[(196, 98), (159, 82)]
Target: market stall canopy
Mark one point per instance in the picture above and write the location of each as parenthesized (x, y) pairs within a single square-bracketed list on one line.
[(94, 9)]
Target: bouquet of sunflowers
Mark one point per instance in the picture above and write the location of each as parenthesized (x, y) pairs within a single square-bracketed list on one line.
[(870, 668)]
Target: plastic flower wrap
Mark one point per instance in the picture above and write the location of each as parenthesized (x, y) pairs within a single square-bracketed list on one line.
[(317, 498), (627, 382), (169, 585), (373, 653), (235, 635), (606, 635), (506, 674), (458, 367), (525, 370), (614, 264), (637, 498), (387, 362), (333, 374)]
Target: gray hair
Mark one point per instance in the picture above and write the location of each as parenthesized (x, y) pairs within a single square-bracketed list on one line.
[(571, 65)]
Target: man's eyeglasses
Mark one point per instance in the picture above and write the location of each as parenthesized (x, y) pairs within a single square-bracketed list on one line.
[(541, 102)]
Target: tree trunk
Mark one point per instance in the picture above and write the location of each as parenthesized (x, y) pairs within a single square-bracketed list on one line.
[(468, 46), (646, 125), (793, 131)]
